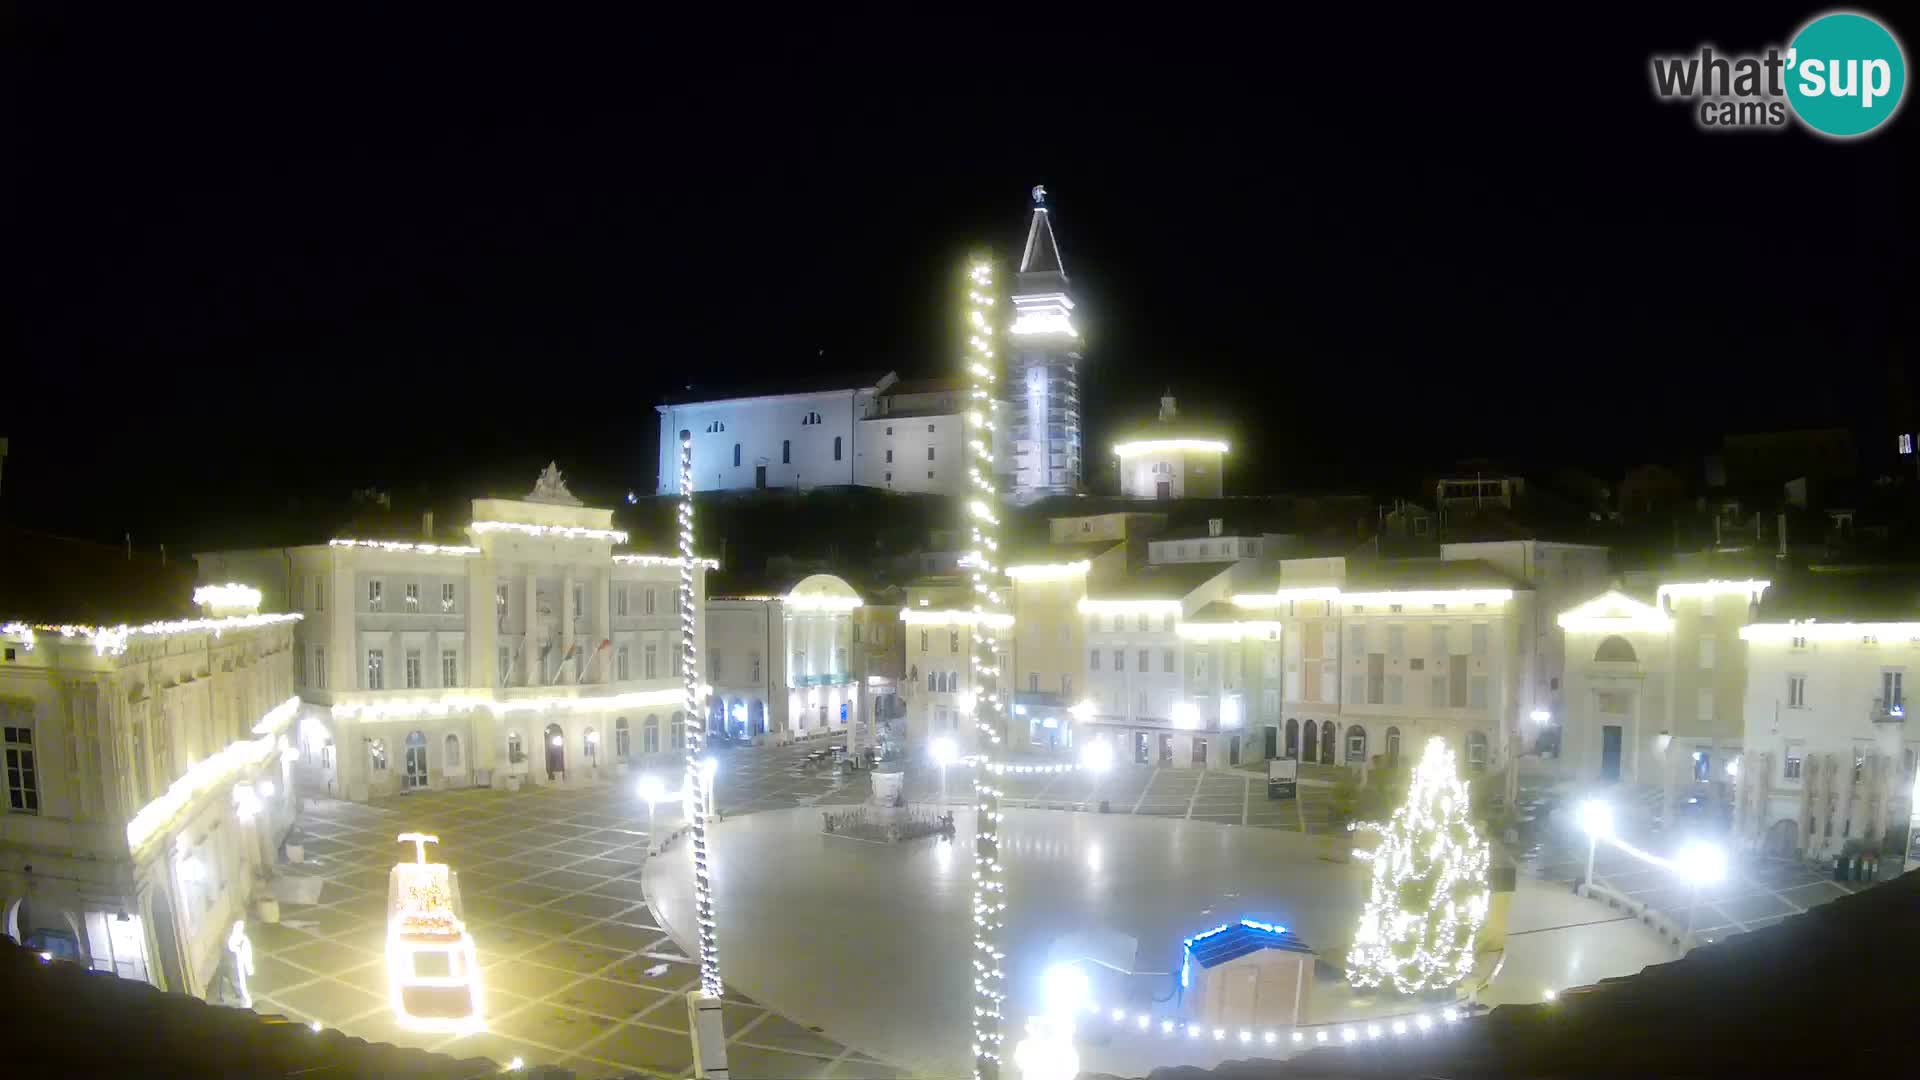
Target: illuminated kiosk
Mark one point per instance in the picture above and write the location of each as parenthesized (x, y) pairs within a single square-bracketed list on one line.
[(433, 975), (1246, 974)]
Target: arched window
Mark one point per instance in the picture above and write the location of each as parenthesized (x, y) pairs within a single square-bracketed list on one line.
[(516, 750), (1327, 740), (786, 451), (1615, 649), (1356, 744), (377, 755), (1476, 750), (836, 448), (1393, 746), (591, 743), (716, 427), (933, 682), (1293, 738), (650, 735), (622, 739), (679, 731), (736, 455), (453, 753)]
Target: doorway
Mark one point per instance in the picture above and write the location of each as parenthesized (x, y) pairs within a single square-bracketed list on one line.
[(1610, 752), (1309, 744), (1163, 489), (1326, 742), (1141, 749), (556, 741), (760, 477), (415, 776), (1233, 747), (1166, 751), (1273, 742)]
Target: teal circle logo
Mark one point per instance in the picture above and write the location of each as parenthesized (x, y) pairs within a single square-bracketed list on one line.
[(1845, 74)]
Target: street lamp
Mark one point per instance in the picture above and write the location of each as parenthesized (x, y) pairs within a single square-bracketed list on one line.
[(1596, 820), (1701, 864), (1097, 756), (944, 753), (652, 790)]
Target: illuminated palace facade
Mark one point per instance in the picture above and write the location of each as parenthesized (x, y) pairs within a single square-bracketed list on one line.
[(537, 652), (1043, 368), (147, 785)]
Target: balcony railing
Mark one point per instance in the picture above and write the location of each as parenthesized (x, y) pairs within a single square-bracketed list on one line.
[(1889, 712), (820, 680)]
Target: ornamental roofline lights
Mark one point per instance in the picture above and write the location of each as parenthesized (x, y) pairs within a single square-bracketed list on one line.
[(662, 560), (223, 766), (1614, 612), (403, 547), (953, 617), (1813, 630), (567, 532), (822, 603), (1050, 571), (113, 639), (1093, 606), (462, 701), (1752, 589), (1161, 446), (231, 595)]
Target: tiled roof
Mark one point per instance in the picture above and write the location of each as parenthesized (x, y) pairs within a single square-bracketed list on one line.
[(54, 579), (1166, 581)]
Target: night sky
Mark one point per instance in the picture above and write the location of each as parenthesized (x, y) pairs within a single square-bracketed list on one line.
[(255, 258)]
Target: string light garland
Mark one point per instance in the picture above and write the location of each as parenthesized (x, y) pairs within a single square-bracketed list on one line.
[(113, 640), (224, 765), (399, 547), (568, 532), (989, 712), (662, 560), (231, 595), (1429, 892), (698, 781)]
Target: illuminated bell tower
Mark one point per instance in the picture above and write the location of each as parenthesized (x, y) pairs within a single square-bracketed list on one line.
[(1043, 368)]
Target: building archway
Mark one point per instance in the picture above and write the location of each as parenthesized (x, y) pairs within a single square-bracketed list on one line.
[(1293, 737), (452, 760), (717, 716), (1782, 839), (556, 744), (1615, 650), (1329, 743), (1476, 750), (1393, 747), (756, 717), (623, 737), (414, 776), (650, 734), (1356, 744), (1310, 743)]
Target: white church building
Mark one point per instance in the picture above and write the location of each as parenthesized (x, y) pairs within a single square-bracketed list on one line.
[(896, 435)]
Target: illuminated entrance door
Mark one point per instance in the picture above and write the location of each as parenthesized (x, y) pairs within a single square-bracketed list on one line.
[(415, 776)]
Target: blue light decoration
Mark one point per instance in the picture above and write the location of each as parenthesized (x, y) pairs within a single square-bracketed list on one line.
[(1186, 946)]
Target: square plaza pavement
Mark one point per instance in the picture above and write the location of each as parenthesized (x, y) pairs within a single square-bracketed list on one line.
[(576, 972)]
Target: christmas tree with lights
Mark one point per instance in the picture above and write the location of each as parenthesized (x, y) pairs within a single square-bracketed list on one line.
[(1429, 890)]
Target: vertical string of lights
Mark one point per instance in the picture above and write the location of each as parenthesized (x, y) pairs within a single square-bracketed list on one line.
[(989, 712), (696, 729)]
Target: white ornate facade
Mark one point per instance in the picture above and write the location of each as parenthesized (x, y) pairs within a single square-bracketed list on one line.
[(793, 665), (534, 653), (146, 787)]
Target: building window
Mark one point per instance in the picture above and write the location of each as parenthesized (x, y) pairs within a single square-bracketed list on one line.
[(579, 601), (620, 601), (1357, 640), (1033, 682), (376, 663), (786, 451), (929, 474), (377, 755), (451, 754), (736, 455), (1706, 705), (836, 448), (1477, 750), (623, 737), (1356, 744), (1479, 639), (1066, 686), (505, 661), (376, 594), (929, 453), (1477, 692), (1703, 764), (1799, 643), (713, 664), (1796, 691), (649, 602), (889, 457), (622, 663), (320, 594), (446, 597), (1166, 661), (923, 641), (679, 731), (449, 668), (413, 596), (1790, 762), (716, 428), (1119, 660), (413, 669), (516, 750), (319, 667), (1093, 660), (500, 601), (650, 661), (23, 776), (953, 641)]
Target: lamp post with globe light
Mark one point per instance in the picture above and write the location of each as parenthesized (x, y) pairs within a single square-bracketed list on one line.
[(1596, 820), (1700, 864), (653, 791), (944, 753), (1096, 757)]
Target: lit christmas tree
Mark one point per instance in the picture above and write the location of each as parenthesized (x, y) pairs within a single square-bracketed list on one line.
[(1429, 892)]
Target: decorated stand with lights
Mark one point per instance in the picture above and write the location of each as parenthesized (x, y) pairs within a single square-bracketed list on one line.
[(433, 973), (1246, 974)]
